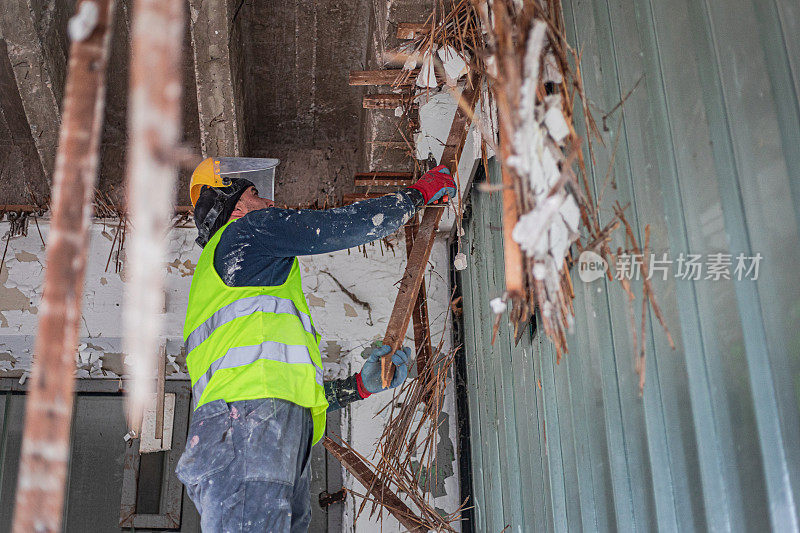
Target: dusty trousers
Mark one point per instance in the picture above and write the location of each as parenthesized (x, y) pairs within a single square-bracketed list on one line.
[(246, 466)]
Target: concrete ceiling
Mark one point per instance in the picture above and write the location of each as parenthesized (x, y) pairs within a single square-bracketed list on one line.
[(260, 79)]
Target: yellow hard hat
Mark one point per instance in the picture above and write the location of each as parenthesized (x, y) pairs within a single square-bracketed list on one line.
[(219, 171), (204, 174)]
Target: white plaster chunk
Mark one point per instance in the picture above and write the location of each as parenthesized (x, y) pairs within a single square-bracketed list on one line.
[(571, 213), (528, 143), (559, 239), (552, 72), (460, 261), (550, 168), (426, 77), (411, 61), (498, 305), (530, 230), (556, 124), (455, 66)]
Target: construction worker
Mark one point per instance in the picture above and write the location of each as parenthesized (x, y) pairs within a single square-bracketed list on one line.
[(251, 346)]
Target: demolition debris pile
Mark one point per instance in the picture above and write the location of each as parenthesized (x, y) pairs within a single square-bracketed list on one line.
[(533, 89), (549, 207)]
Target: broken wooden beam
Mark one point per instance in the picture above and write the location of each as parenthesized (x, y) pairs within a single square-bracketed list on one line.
[(374, 486), (418, 260), (388, 101), (396, 77), (48, 408), (154, 132), (419, 316)]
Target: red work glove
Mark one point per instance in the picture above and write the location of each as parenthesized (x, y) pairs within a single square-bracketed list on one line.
[(436, 185)]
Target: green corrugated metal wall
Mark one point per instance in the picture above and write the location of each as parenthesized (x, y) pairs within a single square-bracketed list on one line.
[(708, 154)]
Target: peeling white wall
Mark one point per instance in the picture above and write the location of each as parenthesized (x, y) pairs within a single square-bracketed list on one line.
[(436, 116), (100, 353), (347, 327)]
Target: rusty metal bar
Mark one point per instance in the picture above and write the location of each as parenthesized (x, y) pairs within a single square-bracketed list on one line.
[(374, 485), (154, 132), (418, 260), (48, 409)]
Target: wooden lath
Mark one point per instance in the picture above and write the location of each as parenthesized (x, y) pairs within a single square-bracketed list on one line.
[(419, 315), (396, 77), (418, 260), (374, 486), (389, 101)]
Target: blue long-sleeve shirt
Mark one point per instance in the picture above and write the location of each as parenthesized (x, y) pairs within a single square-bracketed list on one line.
[(259, 248)]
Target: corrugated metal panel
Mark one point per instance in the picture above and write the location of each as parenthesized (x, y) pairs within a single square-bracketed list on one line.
[(707, 153)]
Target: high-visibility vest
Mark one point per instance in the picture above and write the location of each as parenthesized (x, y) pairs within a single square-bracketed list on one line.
[(248, 343)]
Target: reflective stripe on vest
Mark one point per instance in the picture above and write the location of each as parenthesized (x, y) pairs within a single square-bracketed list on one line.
[(262, 303), (245, 355)]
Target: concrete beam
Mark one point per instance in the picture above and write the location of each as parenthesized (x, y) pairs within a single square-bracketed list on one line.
[(35, 34), (216, 37)]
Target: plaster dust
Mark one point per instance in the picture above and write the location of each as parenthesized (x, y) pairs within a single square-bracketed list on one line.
[(342, 320)]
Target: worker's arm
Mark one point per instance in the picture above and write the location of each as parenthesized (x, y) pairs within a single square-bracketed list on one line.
[(342, 392), (292, 232), (259, 248)]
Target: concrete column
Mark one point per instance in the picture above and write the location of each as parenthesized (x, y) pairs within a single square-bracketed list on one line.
[(217, 65), (35, 35)]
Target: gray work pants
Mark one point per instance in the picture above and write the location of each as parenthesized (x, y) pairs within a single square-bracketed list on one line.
[(246, 466)]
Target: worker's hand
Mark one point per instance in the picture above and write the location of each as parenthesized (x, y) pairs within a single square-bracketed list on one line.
[(371, 371), (435, 185)]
